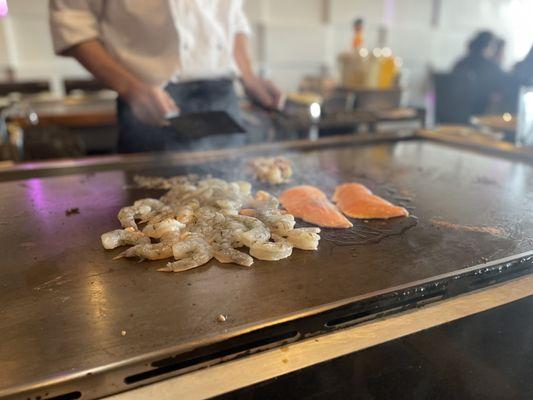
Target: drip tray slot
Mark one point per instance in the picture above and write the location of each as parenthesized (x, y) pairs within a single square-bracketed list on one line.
[(380, 311), (234, 350)]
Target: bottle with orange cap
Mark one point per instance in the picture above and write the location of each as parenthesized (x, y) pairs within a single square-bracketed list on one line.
[(358, 39)]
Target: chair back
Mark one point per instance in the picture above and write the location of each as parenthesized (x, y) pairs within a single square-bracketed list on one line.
[(454, 97)]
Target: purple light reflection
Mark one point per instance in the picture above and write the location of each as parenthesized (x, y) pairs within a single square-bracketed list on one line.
[(38, 198), (36, 192)]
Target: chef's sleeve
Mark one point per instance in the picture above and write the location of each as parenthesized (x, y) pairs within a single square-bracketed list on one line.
[(73, 22), (241, 21)]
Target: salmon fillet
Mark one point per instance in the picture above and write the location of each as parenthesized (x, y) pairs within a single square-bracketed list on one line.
[(357, 201), (312, 205)]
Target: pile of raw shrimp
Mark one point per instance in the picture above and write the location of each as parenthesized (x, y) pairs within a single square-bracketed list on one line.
[(196, 221)]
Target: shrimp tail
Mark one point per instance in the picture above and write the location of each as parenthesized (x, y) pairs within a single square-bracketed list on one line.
[(131, 252), (181, 265), (121, 255)]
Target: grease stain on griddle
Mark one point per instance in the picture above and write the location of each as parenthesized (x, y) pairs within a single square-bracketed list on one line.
[(72, 211), (367, 233), (485, 180), (490, 230)]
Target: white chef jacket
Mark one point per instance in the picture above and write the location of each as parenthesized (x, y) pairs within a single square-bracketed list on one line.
[(157, 40)]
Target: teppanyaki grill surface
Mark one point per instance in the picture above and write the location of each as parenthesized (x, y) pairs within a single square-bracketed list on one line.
[(74, 321)]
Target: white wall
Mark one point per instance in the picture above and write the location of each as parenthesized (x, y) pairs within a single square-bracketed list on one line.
[(27, 47), (302, 37), (297, 37)]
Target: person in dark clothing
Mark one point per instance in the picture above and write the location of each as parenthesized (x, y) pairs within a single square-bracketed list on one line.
[(490, 83), (499, 52), (523, 70)]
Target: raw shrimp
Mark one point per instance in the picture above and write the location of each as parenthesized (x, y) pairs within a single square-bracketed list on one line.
[(178, 192), (263, 201), (244, 187), (304, 238), (271, 251), (121, 237), (230, 207), (229, 234), (256, 231), (151, 182), (156, 216), (279, 224), (185, 213), (190, 253), (152, 251), (142, 209), (158, 229), (154, 204), (228, 254), (128, 215), (194, 222), (208, 220), (274, 170)]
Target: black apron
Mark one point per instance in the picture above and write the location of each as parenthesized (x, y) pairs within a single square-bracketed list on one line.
[(196, 96)]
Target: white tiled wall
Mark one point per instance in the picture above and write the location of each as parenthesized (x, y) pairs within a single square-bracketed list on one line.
[(297, 37)]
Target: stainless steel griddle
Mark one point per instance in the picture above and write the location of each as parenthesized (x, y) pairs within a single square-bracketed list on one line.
[(76, 324)]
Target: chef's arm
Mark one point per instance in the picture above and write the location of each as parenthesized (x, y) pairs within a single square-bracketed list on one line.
[(75, 32), (258, 89), (149, 103)]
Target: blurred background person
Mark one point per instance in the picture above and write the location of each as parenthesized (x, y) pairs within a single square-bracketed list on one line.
[(523, 70), (499, 51), (491, 85)]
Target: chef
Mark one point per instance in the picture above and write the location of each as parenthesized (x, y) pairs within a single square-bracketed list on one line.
[(162, 57)]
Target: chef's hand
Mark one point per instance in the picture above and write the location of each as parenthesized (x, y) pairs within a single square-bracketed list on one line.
[(263, 91), (150, 104)]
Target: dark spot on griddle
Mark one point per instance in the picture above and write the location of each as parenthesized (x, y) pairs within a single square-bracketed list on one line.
[(24, 185), (484, 180), (72, 211), (86, 177), (403, 199)]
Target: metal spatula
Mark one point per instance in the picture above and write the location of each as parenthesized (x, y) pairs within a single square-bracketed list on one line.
[(202, 124)]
